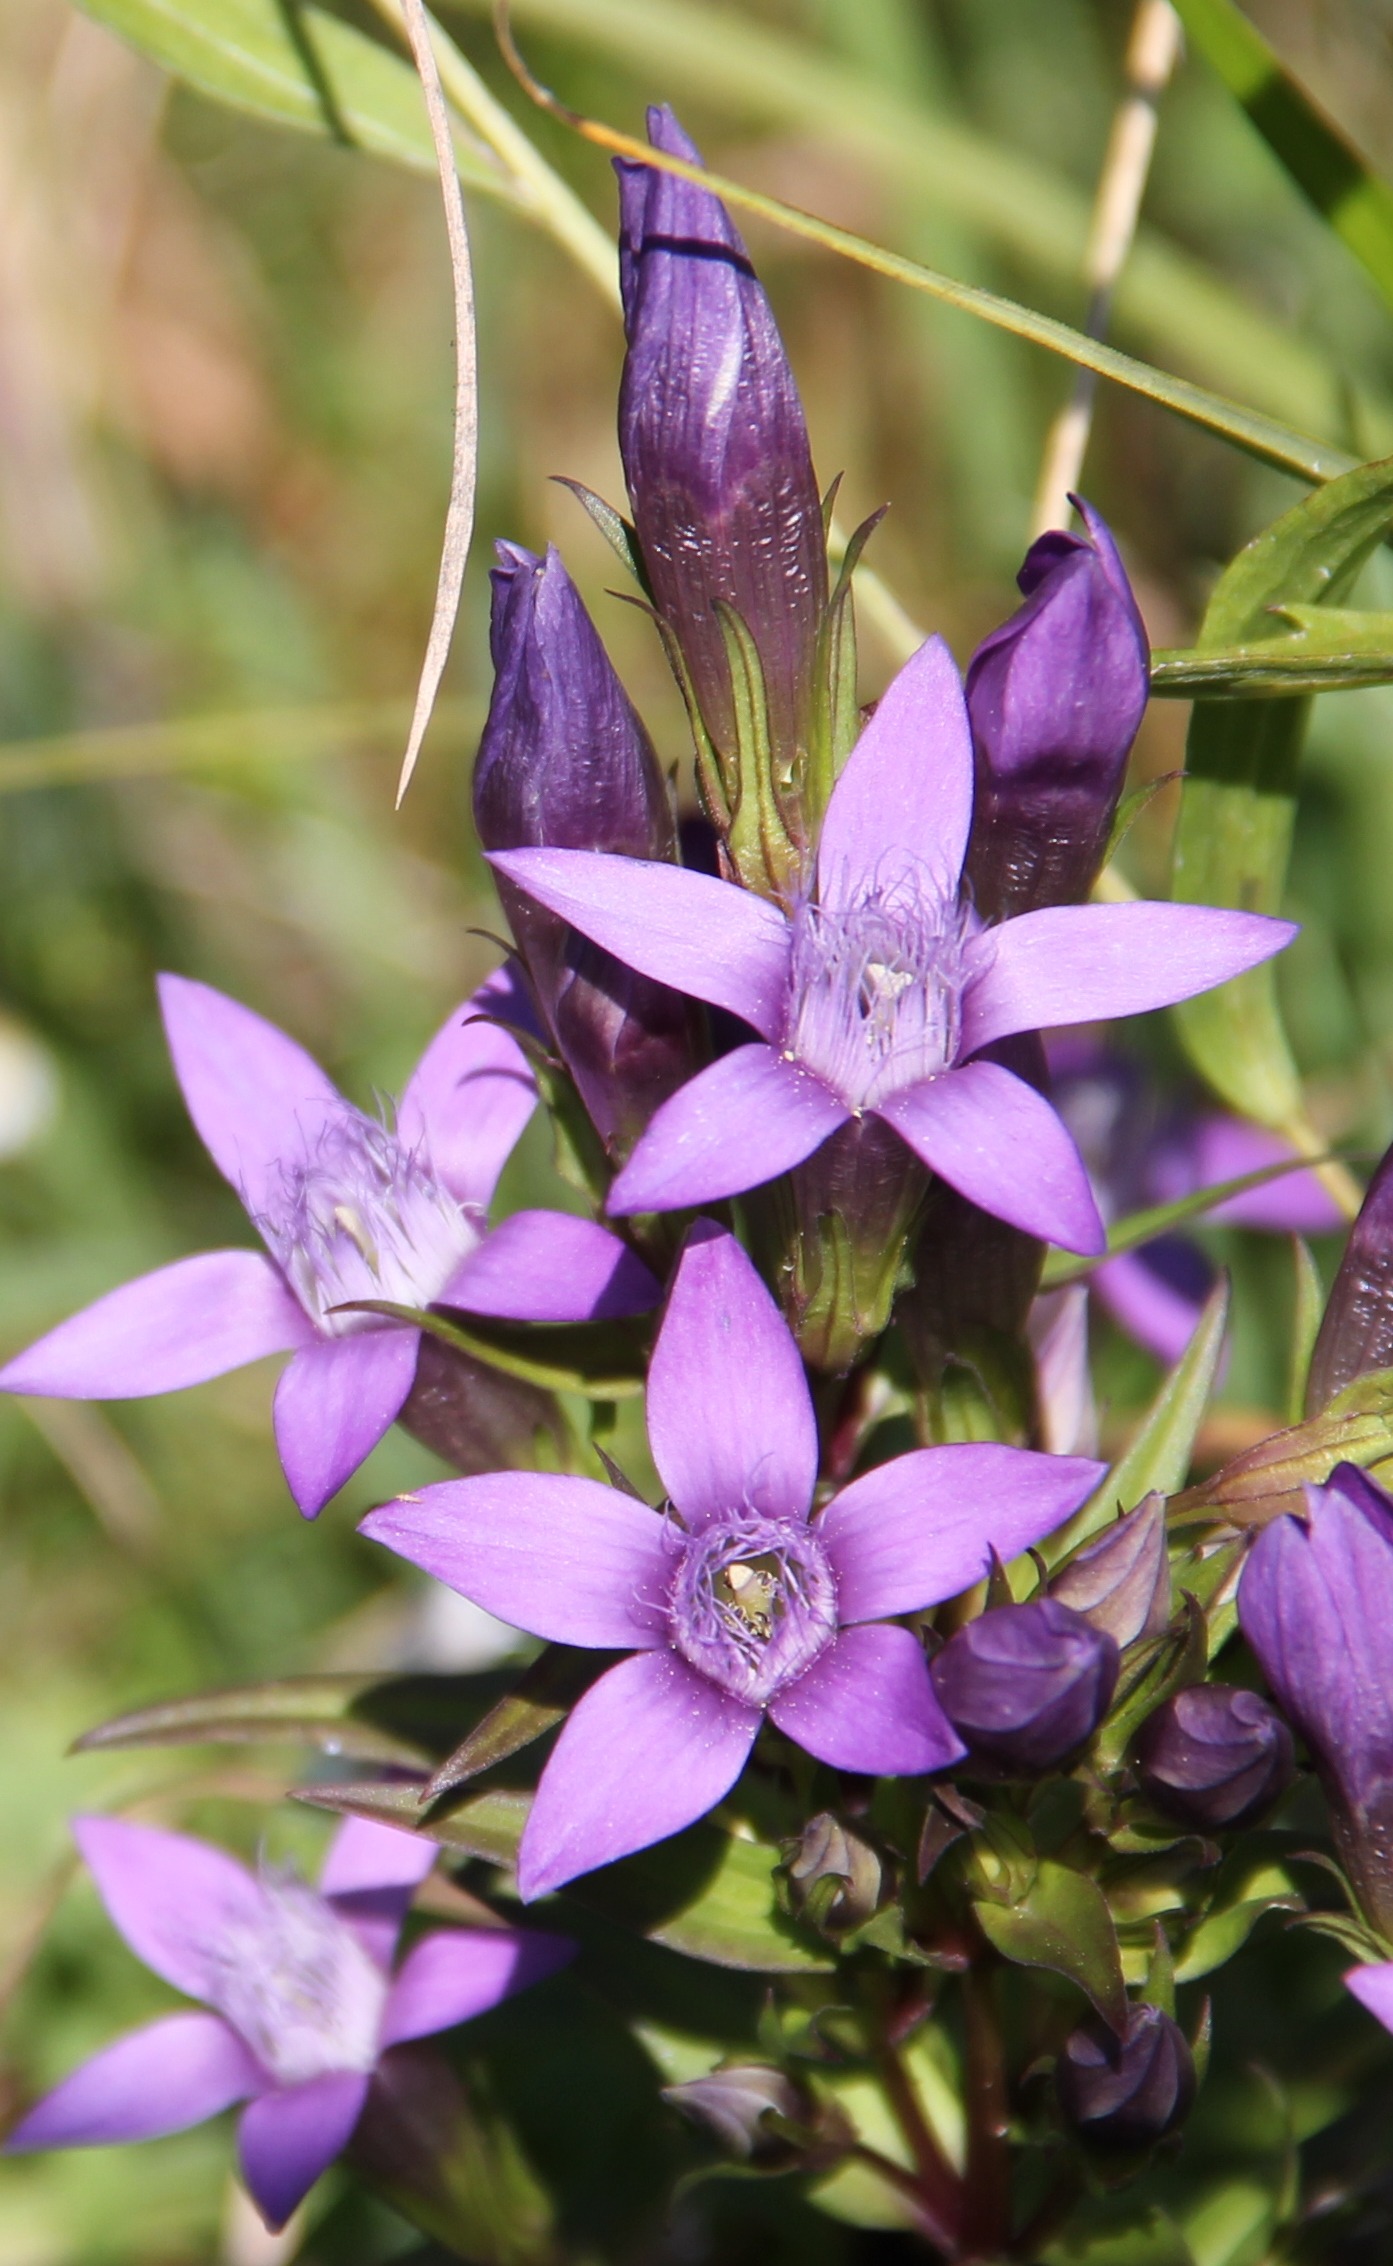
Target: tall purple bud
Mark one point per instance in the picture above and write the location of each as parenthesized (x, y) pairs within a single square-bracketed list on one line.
[(1356, 1331), (716, 457), (1316, 1605), (1055, 696), (565, 763)]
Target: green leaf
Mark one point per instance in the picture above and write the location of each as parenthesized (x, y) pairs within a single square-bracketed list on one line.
[(602, 1360), (294, 63), (1323, 163), (397, 1719), (1129, 1234), (1249, 1886), (1112, 2232), (1331, 649), (1063, 1923), (548, 1689), (1357, 1427), (1237, 811), (704, 1892), (1307, 1307), (1159, 1457), (1153, 1673)]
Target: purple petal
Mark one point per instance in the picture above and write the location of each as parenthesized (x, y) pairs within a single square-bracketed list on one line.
[(566, 1558), (999, 1143), (164, 2078), (253, 1094), (333, 1405), (868, 1705), (472, 1092), (175, 1327), (1084, 963), (749, 1117), (709, 938), (1298, 1204), (1373, 1987), (550, 1267), (906, 792), (651, 1747), (919, 1529), (286, 2139), (1157, 1313), (453, 1975), (370, 1874), (730, 1418), (172, 1898)]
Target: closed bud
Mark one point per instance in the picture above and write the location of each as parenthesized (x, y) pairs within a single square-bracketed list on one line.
[(760, 2115), (564, 763), (1055, 697), (715, 451), (1316, 1604), (1215, 1757), (1126, 2092), (1121, 1583), (1025, 1685), (833, 1875)]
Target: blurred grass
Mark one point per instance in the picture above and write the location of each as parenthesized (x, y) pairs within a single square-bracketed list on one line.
[(224, 359)]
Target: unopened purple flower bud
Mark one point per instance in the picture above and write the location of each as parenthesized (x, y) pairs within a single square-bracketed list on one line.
[(1055, 696), (1356, 1331), (737, 2102), (715, 447), (1316, 1605), (565, 763), (1025, 1685), (1121, 1583), (833, 1874), (1126, 2092), (1215, 1757)]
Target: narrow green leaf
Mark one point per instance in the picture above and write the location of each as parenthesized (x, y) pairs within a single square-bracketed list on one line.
[(603, 1360), (1307, 1308), (1063, 1923), (1241, 1900), (297, 64), (1357, 1427), (1322, 161), (541, 1699), (1332, 649), (397, 1719), (1158, 1219), (1159, 1457), (1233, 839), (488, 1826)]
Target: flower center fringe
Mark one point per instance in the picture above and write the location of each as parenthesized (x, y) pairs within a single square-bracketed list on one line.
[(752, 1604), (875, 988), (298, 1986), (364, 1217)]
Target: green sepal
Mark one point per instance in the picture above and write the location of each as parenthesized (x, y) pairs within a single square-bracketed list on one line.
[(544, 1695), (602, 1360), (1356, 1428), (758, 841), (619, 532), (1152, 1673), (1063, 1924), (1251, 1882)]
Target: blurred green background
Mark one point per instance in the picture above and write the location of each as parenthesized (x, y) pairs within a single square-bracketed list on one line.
[(225, 389)]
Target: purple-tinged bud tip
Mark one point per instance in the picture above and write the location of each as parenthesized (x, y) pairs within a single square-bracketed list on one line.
[(1025, 1685), (1121, 1583), (564, 763), (1215, 1758), (762, 2116), (1356, 1331), (1316, 1605), (715, 447), (833, 1875), (1055, 697), (1126, 2092)]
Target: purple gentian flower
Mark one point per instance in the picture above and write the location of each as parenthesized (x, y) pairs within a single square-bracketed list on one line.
[(303, 1996), (565, 763), (880, 991), (715, 446), (1055, 697), (1316, 1605), (349, 1209), (1142, 1151), (738, 1604)]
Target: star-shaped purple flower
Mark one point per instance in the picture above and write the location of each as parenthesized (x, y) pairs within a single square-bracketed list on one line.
[(739, 1603), (880, 990), (302, 1989), (350, 1209)]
